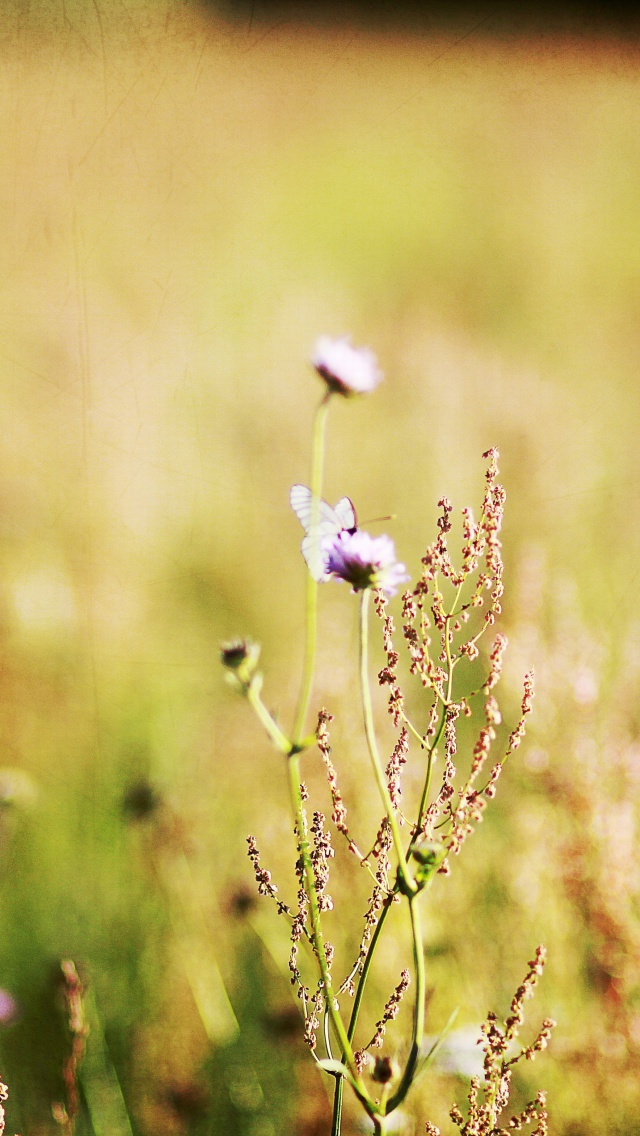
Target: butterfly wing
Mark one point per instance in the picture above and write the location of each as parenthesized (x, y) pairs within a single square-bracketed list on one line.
[(301, 500), (327, 524), (312, 550), (346, 514)]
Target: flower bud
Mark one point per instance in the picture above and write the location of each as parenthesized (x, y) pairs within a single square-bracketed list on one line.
[(384, 1070), (240, 657), (429, 853)]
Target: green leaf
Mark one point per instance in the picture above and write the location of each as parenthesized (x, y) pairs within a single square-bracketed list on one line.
[(424, 1064), (330, 1065), (100, 1084)]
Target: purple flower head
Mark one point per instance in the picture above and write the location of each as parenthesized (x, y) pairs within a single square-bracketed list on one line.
[(364, 561), (9, 1009), (345, 369)]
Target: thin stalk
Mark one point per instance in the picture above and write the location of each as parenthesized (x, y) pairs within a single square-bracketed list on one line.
[(403, 869), (412, 729), (279, 739), (418, 1009), (317, 464), (427, 782), (443, 717), (450, 661), (318, 937), (353, 1021)]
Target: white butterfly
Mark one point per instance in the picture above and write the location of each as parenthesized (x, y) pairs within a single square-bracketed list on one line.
[(330, 522)]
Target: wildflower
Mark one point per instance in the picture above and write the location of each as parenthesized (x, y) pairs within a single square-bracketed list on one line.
[(364, 561), (9, 1008), (345, 369)]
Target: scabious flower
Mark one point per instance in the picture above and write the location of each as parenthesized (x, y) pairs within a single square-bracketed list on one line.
[(345, 369), (364, 561)]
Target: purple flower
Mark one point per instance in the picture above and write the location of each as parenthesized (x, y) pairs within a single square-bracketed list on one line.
[(364, 561), (9, 1009), (345, 369)]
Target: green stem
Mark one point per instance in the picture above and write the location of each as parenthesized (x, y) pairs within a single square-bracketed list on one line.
[(403, 869), (317, 934), (412, 729), (418, 1010), (317, 464), (279, 739), (353, 1021), (443, 718), (427, 782), (450, 661)]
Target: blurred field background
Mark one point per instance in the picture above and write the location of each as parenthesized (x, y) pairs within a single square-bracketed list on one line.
[(189, 198)]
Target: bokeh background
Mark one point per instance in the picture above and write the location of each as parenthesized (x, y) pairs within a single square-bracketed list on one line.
[(190, 195)]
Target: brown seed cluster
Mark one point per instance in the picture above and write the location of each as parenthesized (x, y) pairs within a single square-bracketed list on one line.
[(298, 921), (394, 767), (299, 927), (439, 633), (339, 814), (4, 1093), (313, 1009), (388, 675), (263, 877), (488, 1100), (389, 1013), (321, 853), (527, 703)]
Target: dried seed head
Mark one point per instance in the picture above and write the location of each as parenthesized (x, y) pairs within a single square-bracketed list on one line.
[(321, 853), (527, 705), (4, 1094), (396, 761), (339, 814), (390, 1011)]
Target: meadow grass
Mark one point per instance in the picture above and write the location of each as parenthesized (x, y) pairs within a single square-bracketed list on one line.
[(189, 201)]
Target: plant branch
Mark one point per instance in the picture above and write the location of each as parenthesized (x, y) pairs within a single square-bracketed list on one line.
[(418, 1010), (403, 869), (317, 933)]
